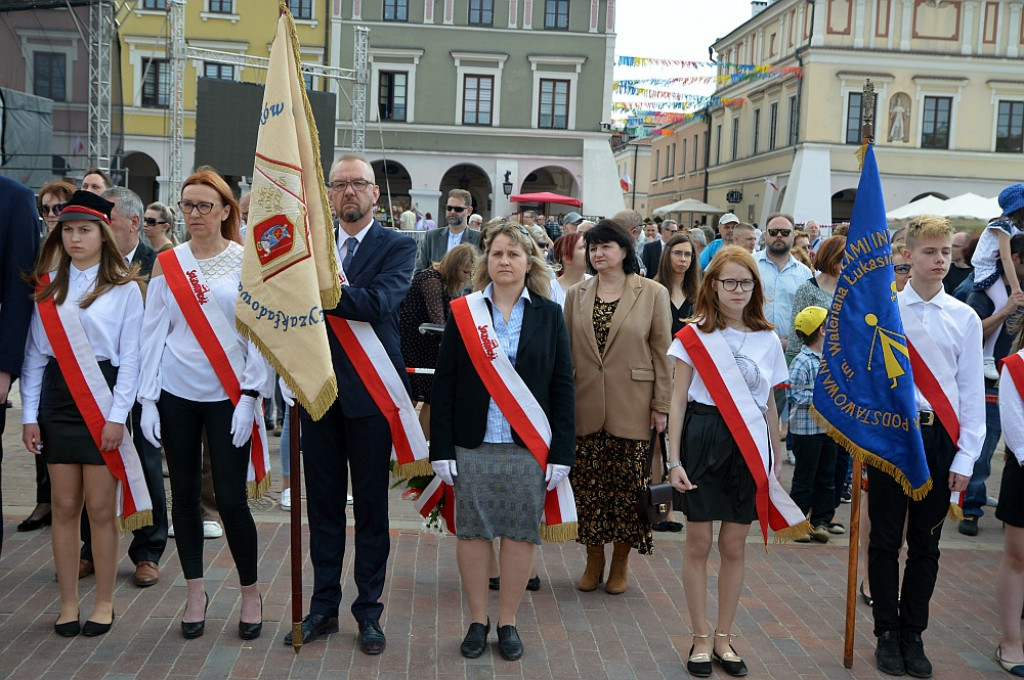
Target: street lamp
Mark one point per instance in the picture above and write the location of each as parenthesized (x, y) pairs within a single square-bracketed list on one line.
[(506, 186)]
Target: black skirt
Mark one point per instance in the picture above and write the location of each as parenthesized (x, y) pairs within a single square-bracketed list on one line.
[(1011, 490), (66, 438), (725, 488)]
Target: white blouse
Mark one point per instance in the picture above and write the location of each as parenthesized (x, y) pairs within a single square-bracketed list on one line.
[(760, 359), (112, 325), (172, 358)]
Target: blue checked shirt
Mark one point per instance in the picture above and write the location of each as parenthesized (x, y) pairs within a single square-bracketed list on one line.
[(780, 289), (802, 373), (498, 429)]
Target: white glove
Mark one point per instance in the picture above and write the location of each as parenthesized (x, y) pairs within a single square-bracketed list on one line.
[(242, 420), (555, 474), (446, 470), (149, 422), (286, 394)]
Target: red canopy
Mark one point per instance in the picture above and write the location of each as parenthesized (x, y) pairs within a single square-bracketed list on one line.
[(547, 197)]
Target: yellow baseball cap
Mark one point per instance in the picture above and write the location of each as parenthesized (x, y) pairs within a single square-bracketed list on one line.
[(810, 319)]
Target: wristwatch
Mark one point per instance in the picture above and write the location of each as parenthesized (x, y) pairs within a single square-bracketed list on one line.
[(674, 464)]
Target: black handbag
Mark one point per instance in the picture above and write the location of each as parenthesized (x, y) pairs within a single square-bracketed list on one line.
[(655, 502)]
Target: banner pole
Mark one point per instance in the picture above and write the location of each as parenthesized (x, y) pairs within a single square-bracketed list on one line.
[(851, 567), (295, 482)]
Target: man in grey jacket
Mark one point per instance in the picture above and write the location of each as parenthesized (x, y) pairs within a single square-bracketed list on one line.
[(437, 242)]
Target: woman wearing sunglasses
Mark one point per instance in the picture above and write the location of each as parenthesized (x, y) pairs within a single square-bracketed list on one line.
[(158, 225), (52, 199)]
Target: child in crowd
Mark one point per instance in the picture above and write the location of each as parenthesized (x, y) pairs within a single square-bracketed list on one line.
[(813, 486), (992, 257)]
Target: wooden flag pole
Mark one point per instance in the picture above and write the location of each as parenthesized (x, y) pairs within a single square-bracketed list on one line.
[(867, 110), (295, 481)]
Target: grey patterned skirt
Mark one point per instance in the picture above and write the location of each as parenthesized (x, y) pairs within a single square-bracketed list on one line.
[(499, 493)]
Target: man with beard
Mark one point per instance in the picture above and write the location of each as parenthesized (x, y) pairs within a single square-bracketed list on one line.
[(438, 242), (354, 435)]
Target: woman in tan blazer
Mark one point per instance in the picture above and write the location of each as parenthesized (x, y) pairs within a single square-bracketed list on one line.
[(619, 331)]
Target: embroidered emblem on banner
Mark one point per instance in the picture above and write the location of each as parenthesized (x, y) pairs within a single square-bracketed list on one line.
[(281, 240)]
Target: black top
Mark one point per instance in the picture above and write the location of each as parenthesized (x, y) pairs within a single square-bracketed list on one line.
[(955, 277), (459, 401), (685, 311)]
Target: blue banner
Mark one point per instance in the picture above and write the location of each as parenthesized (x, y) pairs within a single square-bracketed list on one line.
[(864, 391)]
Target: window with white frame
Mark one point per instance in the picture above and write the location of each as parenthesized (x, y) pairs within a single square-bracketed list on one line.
[(395, 61), (221, 6), (935, 122), (854, 113), (477, 99), (49, 75), (554, 104), (392, 88), (154, 4), (301, 9), (478, 96), (156, 80)]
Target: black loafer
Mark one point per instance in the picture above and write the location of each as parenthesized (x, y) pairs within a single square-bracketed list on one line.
[(191, 630), (533, 583), (494, 583), (313, 626), (92, 629), (915, 662), (68, 629), (509, 644), (476, 640), (251, 631), (32, 523), (888, 656), (371, 637)]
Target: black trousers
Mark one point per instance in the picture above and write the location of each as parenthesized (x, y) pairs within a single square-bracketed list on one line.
[(331, 447), (813, 476), (3, 424), (148, 543), (889, 508), (181, 426)]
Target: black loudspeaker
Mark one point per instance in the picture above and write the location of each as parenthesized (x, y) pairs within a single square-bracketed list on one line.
[(228, 121)]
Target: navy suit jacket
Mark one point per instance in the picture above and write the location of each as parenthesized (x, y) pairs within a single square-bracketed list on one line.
[(459, 400), (19, 246), (651, 256), (145, 256), (379, 276)]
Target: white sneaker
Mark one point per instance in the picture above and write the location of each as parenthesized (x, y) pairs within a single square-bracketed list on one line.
[(790, 458), (170, 529), (211, 529), (350, 499), (990, 369), (286, 499)]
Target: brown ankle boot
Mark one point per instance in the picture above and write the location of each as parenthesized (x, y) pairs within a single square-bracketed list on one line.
[(594, 573), (618, 574)]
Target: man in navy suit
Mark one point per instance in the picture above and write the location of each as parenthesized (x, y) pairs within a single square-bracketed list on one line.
[(651, 256), (19, 243), (353, 437)]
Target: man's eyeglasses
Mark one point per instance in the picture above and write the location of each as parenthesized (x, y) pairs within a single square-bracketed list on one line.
[(356, 184), (746, 285), (187, 207), (901, 268), (54, 209), (778, 232), (455, 208), (152, 221)]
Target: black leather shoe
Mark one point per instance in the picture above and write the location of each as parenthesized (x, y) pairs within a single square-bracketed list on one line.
[(914, 661), (190, 630), (888, 656), (31, 523), (371, 637), (533, 583), (69, 629), (476, 640), (251, 631), (509, 644), (313, 626), (92, 629), (495, 584)]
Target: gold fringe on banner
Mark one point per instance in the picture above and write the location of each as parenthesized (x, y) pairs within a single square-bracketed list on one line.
[(872, 459), (143, 518), (254, 489), (956, 513), (559, 533), (417, 468), (792, 533), (860, 153)]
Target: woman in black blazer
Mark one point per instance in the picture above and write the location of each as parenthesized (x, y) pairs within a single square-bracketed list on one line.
[(499, 484)]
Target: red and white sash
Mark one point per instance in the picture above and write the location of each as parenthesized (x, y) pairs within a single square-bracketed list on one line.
[(218, 339), (1014, 366), (511, 394), (714, 361), (94, 399), (934, 378)]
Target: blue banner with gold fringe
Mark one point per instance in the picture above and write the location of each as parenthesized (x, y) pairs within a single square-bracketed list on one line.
[(864, 392)]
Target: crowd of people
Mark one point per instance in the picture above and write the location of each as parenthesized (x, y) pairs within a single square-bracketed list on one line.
[(599, 356)]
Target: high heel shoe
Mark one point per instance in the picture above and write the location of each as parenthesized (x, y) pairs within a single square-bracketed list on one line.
[(68, 629), (730, 661), (190, 630), (31, 523), (699, 665), (92, 629), (251, 631), (868, 600)]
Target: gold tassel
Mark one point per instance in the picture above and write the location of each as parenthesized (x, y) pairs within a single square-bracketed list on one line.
[(137, 520), (256, 489), (956, 513), (417, 468), (860, 153), (873, 460), (559, 533), (792, 533)]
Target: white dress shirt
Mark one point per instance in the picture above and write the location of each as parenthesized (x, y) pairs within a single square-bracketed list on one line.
[(956, 330), (172, 358), (1011, 413), (111, 324), (342, 242)]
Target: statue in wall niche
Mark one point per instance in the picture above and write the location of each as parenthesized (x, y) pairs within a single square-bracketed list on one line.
[(899, 117)]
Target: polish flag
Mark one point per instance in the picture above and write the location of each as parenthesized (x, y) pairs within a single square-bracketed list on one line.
[(626, 182)]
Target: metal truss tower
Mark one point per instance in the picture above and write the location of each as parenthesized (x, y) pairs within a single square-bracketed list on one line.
[(176, 9), (102, 37), (361, 61)]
